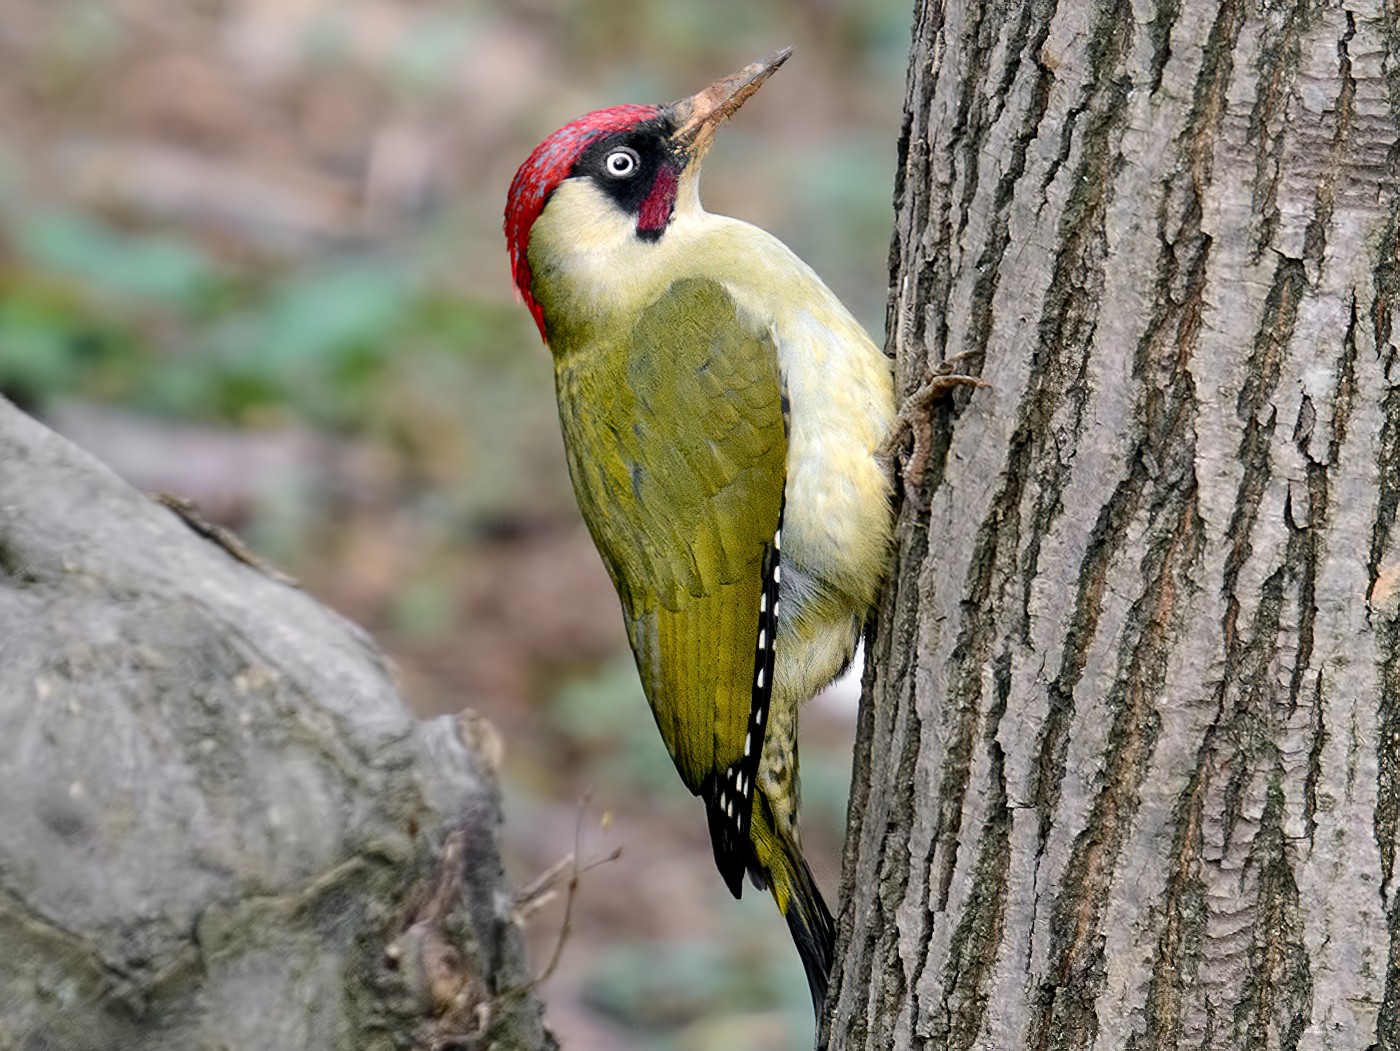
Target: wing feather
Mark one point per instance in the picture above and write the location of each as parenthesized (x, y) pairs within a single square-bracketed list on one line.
[(677, 448)]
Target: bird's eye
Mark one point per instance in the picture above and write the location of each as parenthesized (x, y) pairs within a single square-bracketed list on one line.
[(622, 162)]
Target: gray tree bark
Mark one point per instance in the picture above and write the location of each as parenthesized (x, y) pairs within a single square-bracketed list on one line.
[(219, 826), (1128, 768)]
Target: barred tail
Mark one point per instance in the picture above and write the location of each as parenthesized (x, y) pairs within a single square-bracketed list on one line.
[(778, 864)]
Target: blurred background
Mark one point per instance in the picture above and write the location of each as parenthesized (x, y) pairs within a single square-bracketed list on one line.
[(250, 254)]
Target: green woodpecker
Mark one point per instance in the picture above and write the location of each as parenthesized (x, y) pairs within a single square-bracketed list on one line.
[(721, 413)]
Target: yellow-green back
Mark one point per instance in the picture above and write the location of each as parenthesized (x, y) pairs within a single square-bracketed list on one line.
[(676, 445)]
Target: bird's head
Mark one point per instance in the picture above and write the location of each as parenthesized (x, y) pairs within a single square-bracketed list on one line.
[(629, 169)]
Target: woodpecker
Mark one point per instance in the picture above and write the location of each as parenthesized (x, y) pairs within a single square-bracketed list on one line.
[(722, 413)]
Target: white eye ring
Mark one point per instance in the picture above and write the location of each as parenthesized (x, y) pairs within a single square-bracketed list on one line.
[(622, 162)]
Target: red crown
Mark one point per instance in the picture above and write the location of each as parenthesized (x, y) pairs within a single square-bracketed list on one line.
[(545, 169)]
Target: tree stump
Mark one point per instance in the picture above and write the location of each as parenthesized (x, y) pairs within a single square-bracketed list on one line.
[(220, 828)]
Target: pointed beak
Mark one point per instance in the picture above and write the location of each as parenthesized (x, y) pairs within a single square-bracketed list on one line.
[(698, 116)]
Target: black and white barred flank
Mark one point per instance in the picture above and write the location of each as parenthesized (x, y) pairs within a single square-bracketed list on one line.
[(729, 797)]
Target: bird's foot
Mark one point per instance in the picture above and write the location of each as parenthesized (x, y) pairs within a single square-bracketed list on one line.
[(914, 418)]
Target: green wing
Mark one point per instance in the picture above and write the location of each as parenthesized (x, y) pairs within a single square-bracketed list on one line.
[(677, 448)]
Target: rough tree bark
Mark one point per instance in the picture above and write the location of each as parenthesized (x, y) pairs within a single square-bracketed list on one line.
[(219, 826), (1128, 771)]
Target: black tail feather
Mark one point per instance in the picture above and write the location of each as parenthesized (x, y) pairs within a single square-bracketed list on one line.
[(813, 932), (788, 877)]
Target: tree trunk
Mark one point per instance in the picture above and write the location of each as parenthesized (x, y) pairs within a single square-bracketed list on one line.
[(1128, 769), (219, 826)]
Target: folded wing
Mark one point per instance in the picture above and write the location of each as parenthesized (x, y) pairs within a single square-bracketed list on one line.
[(678, 456)]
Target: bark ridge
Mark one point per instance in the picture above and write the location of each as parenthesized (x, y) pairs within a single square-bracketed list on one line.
[(1128, 768)]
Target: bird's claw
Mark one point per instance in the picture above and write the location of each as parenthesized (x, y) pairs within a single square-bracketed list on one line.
[(914, 419)]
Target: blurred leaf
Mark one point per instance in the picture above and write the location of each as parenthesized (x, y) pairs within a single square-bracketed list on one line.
[(423, 609), (282, 522), (321, 315), (731, 994), (51, 344), (608, 713), (147, 267), (657, 986), (431, 52), (35, 352), (86, 34), (826, 785), (315, 344)]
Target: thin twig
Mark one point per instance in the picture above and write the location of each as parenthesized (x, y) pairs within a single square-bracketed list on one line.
[(575, 871), (230, 541), (540, 893)]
